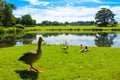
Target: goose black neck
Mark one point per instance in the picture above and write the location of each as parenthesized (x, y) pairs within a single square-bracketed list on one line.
[(39, 46)]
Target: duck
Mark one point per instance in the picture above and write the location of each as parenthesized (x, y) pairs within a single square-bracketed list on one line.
[(32, 56), (81, 46), (66, 46), (85, 49)]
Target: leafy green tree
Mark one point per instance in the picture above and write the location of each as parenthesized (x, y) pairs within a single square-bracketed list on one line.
[(18, 21), (55, 23), (67, 23), (12, 6), (104, 17), (1, 11), (46, 23), (33, 22), (7, 19), (27, 20)]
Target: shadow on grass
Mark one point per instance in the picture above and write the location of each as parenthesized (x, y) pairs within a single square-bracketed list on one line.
[(65, 51), (27, 75)]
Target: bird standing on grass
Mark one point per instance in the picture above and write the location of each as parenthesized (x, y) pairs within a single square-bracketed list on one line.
[(32, 56)]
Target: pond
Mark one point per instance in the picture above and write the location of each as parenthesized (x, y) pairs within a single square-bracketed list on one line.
[(89, 39)]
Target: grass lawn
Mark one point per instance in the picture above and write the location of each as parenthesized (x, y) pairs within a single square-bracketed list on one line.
[(100, 63), (75, 29)]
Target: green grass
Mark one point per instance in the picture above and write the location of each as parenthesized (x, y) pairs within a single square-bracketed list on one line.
[(61, 29), (9, 30), (74, 29), (100, 63)]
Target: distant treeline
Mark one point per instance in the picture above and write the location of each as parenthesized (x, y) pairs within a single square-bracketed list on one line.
[(7, 19), (55, 23), (103, 17)]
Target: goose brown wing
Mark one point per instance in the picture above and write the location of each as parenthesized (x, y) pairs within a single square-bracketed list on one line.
[(31, 53)]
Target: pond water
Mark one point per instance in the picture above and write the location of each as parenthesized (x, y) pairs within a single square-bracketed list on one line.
[(89, 39)]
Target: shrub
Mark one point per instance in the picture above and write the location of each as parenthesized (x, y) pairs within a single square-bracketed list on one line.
[(19, 26), (2, 29)]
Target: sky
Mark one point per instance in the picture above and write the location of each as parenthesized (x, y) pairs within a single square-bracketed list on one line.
[(64, 10)]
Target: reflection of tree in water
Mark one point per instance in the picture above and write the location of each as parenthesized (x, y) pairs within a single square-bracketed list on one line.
[(10, 40), (56, 34), (50, 34), (104, 39), (28, 38), (7, 41)]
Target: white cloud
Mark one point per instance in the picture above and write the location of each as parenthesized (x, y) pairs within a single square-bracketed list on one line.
[(79, 1), (37, 2), (66, 13), (92, 1), (116, 11), (105, 6), (25, 10)]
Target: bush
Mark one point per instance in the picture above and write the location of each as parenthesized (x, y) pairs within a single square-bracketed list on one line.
[(20, 26), (2, 29)]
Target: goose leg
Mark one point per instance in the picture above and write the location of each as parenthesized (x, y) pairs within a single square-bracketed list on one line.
[(32, 68)]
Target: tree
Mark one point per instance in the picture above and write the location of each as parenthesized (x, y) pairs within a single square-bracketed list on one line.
[(18, 21), (46, 23), (27, 20), (7, 19), (67, 23), (1, 11), (104, 17)]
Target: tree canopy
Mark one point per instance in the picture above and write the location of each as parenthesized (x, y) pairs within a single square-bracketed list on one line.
[(7, 18), (104, 17), (27, 20)]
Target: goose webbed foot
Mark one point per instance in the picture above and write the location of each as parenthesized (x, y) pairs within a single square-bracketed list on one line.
[(33, 69)]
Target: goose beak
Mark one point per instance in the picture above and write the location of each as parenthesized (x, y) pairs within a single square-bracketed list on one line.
[(41, 39)]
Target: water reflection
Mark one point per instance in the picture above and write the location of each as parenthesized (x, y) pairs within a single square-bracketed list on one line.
[(104, 39), (16, 40), (7, 41), (89, 39), (72, 39), (26, 39)]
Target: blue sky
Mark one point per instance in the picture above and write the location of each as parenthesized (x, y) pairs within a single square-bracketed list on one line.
[(64, 10)]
